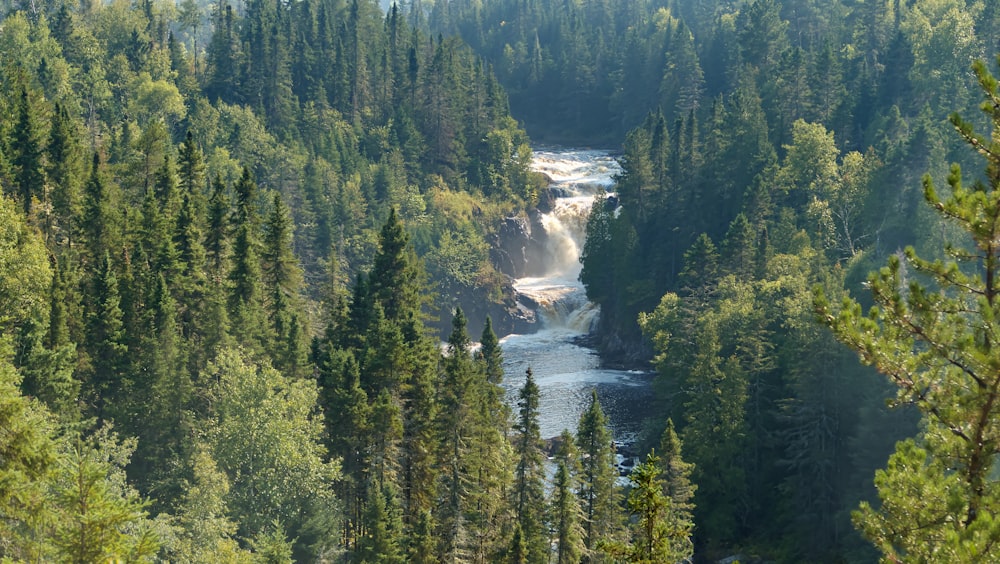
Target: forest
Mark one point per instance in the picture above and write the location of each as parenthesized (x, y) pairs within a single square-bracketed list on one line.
[(250, 307)]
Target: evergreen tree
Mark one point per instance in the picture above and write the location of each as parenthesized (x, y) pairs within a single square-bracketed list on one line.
[(105, 385), (191, 175), (382, 541), (655, 536), (282, 280), (597, 479), (935, 342), (66, 172), (530, 543), (29, 455), (348, 418), (566, 514), (395, 276), (490, 458), (245, 305), (101, 516), (101, 216), (676, 474), (457, 412), (29, 168)]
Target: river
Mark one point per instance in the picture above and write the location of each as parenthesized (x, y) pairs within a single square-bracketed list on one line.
[(565, 369)]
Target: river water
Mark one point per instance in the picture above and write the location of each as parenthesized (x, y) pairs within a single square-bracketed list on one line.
[(565, 369)]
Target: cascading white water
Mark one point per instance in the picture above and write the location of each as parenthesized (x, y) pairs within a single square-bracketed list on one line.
[(566, 370), (577, 177)]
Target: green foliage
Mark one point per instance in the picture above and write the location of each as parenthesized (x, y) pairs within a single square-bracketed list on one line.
[(930, 332), (26, 275), (768, 131), (658, 535), (30, 455), (265, 437), (530, 542), (98, 515), (597, 490)]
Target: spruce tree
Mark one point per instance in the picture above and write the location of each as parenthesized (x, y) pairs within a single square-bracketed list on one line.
[(597, 478), (656, 537), (490, 458), (245, 307), (395, 276), (282, 281), (29, 168), (457, 412), (933, 332), (566, 515), (676, 474), (101, 517), (348, 418), (217, 236), (66, 171), (382, 540), (101, 216), (106, 347), (530, 542)]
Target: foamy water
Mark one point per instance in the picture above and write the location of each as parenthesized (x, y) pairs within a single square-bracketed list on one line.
[(565, 370)]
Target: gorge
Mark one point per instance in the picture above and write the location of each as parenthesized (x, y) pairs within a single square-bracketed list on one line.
[(565, 367)]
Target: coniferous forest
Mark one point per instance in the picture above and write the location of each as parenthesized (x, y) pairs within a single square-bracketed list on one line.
[(251, 307)]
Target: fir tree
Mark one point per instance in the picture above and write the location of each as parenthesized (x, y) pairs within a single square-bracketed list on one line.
[(676, 474), (395, 276), (66, 171), (382, 541), (106, 346), (457, 411), (566, 515), (530, 542), (29, 168), (597, 478), (656, 536)]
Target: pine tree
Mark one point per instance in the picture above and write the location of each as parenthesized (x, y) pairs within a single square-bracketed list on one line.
[(395, 276), (457, 412), (676, 474), (656, 536), (192, 282), (490, 454), (348, 418), (29, 455), (566, 515), (66, 171), (715, 429), (597, 478), (165, 398), (282, 281), (102, 219), (245, 305), (217, 258), (29, 168), (932, 331), (382, 541), (101, 517), (191, 167), (217, 237), (106, 347), (530, 542)]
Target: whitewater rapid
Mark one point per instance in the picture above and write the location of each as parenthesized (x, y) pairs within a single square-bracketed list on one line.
[(565, 369)]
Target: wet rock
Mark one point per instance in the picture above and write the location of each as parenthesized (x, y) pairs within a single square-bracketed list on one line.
[(509, 246)]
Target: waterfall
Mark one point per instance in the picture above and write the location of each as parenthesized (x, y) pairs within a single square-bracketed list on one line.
[(577, 177), (565, 369)]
